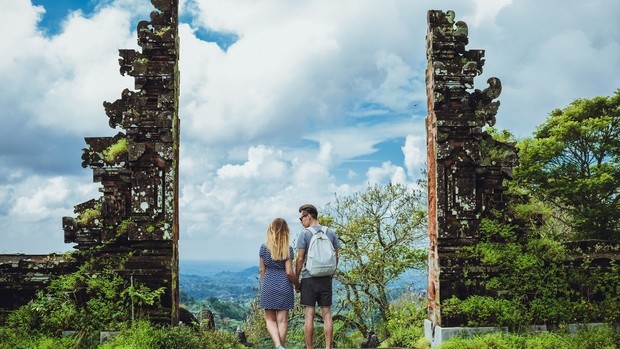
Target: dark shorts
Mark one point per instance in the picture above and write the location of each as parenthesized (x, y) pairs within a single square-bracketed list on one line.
[(316, 290)]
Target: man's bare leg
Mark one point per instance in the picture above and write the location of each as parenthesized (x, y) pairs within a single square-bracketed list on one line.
[(328, 326), (309, 326)]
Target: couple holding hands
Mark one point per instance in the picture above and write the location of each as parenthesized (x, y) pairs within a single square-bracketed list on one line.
[(279, 279)]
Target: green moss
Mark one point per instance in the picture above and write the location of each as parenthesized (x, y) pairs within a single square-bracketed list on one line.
[(89, 215), (159, 225), (162, 31), (124, 225), (116, 149)]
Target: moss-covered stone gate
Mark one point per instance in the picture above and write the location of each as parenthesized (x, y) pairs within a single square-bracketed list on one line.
[(137, 215), (465, 182)]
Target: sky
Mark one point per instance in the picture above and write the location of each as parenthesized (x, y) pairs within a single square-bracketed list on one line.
[(282, 102)]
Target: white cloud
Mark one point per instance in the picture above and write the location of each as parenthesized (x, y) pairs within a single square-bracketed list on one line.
[(387, 173), (415, 154), (487, 10), (60, 82), (31, 216)]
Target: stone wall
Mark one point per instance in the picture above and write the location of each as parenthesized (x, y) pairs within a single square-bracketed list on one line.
[(21, 276)]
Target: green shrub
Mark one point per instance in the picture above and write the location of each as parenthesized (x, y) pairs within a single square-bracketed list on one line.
[(535, 280), (599, 337), (547, 341), (12, 339), (120, 147), (93, 298), (144, 335), (406, 323), (495, 340), (603, 337), (485, 311)]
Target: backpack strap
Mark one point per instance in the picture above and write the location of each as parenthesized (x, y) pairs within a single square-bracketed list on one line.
[(314, 230)]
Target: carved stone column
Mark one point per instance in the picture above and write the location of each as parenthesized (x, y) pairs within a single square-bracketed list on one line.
[(464, 180), (139, 168)]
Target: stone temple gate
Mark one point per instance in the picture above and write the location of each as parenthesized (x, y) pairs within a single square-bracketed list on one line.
[(466, 167), (137, 214)]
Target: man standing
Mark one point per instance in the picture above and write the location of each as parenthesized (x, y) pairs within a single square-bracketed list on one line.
[(314, 290)]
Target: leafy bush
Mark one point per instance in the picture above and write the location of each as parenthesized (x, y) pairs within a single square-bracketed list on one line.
[(535, 280), (14, 339), (140, 335), (603, 337), (144, 335), (494, 340), (93, 298), (406, 323), (485, 311)]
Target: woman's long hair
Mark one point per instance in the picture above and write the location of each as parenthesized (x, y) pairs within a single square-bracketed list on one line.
[(277, 241)]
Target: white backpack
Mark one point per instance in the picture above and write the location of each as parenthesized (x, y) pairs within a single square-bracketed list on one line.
[(321, 254)]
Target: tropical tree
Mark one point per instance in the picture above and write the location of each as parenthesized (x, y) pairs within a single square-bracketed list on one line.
[(573, 163), (382, 234)]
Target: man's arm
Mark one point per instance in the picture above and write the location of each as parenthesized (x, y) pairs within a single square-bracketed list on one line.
[(301, 252), (337, 256)]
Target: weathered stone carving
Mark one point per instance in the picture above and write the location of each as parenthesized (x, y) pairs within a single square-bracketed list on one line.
[(466, 167), (138, 170), (137, 214)]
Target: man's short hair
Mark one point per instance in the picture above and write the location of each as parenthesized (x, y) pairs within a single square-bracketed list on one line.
[(309, 209)]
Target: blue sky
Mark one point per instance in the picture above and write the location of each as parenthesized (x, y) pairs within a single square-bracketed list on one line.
[(282, 102)]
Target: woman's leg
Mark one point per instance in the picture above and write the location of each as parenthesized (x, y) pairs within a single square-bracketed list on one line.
[(282, 319), (272, 326)]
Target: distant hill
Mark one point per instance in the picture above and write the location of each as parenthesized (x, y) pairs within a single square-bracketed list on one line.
[(210, 268), (223, 280), (238, 281)]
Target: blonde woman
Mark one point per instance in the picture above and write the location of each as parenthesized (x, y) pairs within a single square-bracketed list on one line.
[(277, 295)]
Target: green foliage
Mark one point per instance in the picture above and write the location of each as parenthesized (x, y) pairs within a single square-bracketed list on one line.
[(11, 339), (573, 163), (124, 225), (535, 281), (226, 309), (94, 297), (493, 153), (144, 335), (121, 146), (406, 323), (139, 335), (89, 215), (485, 311), (603, 337), (589, 338), (381, 231), (141, 295)]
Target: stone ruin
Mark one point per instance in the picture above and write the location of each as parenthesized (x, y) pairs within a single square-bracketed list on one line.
[(464, 176), (466, 172), (137, 214)]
